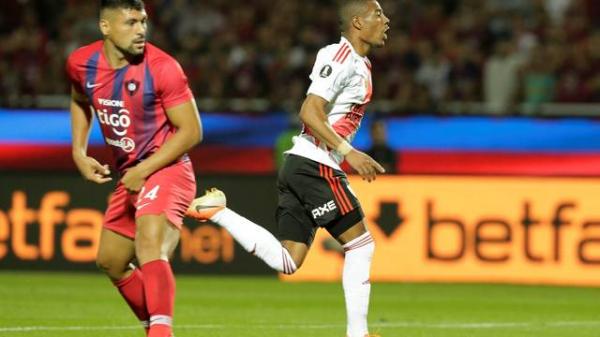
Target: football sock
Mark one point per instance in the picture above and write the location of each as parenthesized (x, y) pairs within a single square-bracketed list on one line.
[(159, 288), (357, 286), (256, 240), (132, 290)]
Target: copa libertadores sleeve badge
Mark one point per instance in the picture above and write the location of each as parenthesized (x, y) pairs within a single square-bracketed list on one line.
[(325, 71)]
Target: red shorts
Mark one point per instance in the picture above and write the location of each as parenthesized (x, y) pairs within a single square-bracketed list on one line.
[(168, 191)]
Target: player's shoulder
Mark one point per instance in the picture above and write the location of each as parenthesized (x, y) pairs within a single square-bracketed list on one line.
[(333, 59), (158, 57), (82, 54), (336, 53)]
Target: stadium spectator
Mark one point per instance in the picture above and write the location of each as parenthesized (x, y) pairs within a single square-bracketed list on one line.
[(232, 49), (501, 78), (539, 80), (465, 75), (380, 150)]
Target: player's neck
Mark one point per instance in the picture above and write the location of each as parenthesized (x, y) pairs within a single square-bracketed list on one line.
[(115, 58), (360, 47)]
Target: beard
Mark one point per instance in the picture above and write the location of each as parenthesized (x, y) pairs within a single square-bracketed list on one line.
[(131, 51)]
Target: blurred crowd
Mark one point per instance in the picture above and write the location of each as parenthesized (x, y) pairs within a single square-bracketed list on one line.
[(500, 52)]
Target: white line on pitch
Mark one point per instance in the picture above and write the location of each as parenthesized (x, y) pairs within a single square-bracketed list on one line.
[(426, 325)]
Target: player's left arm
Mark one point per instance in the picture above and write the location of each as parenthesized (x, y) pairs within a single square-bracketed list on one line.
[(328, 80), (313, 115), (186, 119), (180, 106)]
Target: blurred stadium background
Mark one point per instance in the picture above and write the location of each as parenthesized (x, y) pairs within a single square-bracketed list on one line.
[(485, 113)]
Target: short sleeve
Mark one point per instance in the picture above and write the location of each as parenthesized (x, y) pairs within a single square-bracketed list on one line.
[(73, 75), (328, 77), (172, 84)]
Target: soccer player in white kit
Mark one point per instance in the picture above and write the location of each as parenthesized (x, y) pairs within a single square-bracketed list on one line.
[(313, 190)]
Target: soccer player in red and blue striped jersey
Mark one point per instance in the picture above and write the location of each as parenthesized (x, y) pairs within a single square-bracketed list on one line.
[(149, 119)]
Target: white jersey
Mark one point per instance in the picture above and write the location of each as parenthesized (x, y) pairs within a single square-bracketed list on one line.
[(343, 78)]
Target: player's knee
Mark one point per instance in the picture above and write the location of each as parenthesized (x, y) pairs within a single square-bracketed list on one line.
[(146, 241), (103, 262), (111, 268), (297, 259), (147, 248), (288, 269)]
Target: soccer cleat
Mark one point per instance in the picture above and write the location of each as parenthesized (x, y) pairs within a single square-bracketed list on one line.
[(205, 207), (372, 335)]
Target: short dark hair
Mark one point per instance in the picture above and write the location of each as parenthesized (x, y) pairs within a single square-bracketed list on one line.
[(126, 4), (347, 9)]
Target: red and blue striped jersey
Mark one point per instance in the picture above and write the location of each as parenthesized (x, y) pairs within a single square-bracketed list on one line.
[(130, 102)]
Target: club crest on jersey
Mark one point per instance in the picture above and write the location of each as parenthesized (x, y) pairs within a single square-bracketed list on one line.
[(325, 71), (132, 86)]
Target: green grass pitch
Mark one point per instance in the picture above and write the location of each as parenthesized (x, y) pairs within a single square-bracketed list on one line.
[(77, 305)]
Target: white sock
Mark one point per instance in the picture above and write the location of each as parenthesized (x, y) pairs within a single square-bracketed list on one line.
[(357, 286), (256, 240)]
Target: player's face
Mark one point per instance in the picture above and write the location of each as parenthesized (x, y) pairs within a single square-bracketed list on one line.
[(126, 29), (376, 25)]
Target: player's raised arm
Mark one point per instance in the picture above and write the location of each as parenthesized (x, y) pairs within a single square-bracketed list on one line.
[(81, 122), (313, 115)]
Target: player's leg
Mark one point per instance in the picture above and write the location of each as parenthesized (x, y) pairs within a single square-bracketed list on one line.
[(351, 232), (254, 238), (358, 248), (115, 254), (160, 209), (296, 227), (117, 250), (155, 239), (297, 251)]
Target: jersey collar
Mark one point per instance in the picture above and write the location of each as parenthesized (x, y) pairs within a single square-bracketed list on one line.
[(345, 40)]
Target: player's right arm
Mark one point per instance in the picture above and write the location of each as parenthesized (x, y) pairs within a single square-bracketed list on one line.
[(313, 115), (81, 122), (328, 80)]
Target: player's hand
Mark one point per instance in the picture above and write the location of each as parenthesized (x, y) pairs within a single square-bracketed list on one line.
[(134, 179), (362, 163), (92, 170)]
